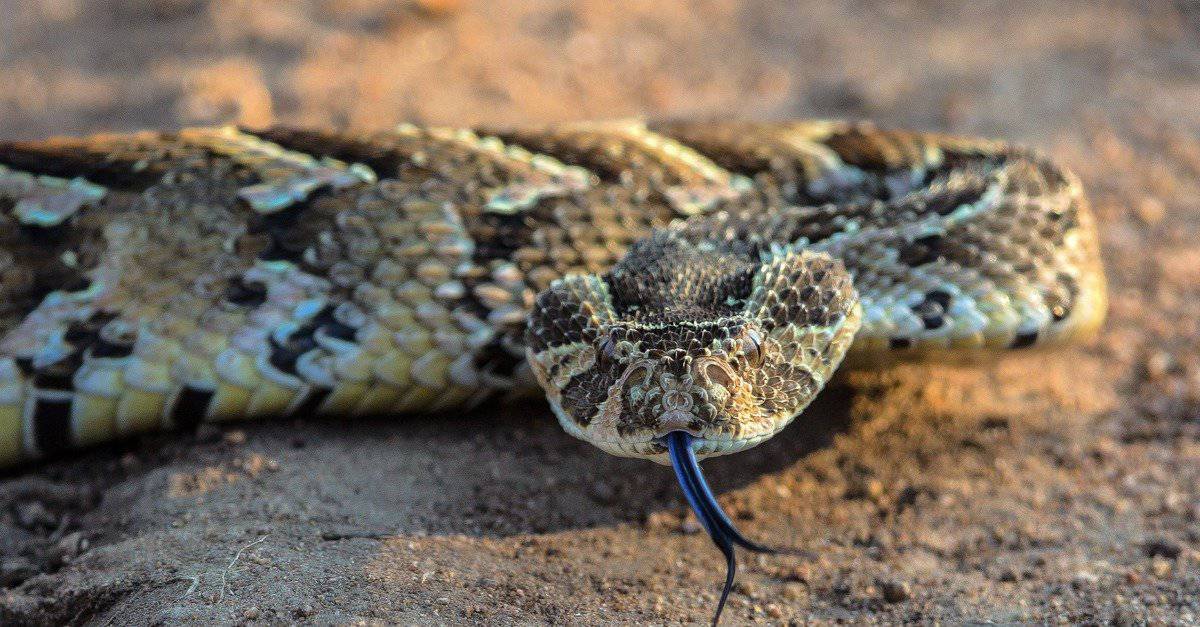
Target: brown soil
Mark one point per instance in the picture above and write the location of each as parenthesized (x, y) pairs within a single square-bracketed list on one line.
[(1053, 486)]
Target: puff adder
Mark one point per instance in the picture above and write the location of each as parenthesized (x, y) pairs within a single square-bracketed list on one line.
[(678, 290)]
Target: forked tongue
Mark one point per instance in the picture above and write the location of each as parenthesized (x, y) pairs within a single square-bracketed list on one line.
[(718, 525)]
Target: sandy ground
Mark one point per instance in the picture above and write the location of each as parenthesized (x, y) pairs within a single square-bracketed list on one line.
[(1058, 486)]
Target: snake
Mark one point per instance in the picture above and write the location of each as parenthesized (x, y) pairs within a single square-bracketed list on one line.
[(676, 290)]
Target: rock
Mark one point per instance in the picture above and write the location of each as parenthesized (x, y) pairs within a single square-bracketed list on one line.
[(32, 515), (71, 546), (14, 570)]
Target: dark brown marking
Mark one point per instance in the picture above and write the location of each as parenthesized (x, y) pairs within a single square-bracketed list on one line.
[(191, 406), (373, 152), (922, 250), (932, 310), (946, 204), (52, 425), (285, 354), (1024, 340), (125, 162), (249, 294)]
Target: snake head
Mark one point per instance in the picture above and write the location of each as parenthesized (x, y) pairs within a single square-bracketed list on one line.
[(725, 341)]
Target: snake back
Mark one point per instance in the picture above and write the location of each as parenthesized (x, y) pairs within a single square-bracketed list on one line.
[(157, 280)]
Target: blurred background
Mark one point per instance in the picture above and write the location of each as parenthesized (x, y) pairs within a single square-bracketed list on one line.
[(1024, 69)]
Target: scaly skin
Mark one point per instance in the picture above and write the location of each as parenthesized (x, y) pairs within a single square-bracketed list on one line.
[(157, 280)]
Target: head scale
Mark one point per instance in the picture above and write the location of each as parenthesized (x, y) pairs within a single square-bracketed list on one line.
[(723, 340)]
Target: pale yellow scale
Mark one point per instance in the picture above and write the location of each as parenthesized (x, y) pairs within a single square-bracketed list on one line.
[(95, 406), (12, 408)]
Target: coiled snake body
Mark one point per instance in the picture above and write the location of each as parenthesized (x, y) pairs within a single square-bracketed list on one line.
[(678, 290)]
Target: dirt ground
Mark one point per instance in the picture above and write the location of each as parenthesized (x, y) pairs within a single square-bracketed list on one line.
[(1048, 487)]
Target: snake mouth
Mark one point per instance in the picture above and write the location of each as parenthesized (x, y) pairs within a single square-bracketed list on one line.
[(681, 447), (652, 444), (654, 447)]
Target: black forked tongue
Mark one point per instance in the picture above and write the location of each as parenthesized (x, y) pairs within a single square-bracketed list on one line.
[(718, 525)]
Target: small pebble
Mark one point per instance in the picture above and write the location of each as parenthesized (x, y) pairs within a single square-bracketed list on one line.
[(235, 437), (794, 592), (662, 520), (1083, 579), (1150, 210), (71, 546)]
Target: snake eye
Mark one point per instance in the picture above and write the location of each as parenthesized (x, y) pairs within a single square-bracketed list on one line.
[(752, 347)]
